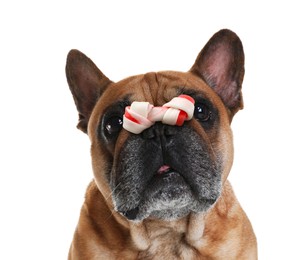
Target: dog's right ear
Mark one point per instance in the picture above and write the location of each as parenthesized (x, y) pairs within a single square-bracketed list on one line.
[(221, 65), (86, 83)]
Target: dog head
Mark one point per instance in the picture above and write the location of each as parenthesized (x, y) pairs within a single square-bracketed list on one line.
[(166, 171)]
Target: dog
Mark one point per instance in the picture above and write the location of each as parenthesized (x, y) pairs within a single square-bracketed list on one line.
[(162, 192)]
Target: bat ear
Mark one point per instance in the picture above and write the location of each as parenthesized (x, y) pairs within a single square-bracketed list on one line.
[(86, 83), (221, 65)]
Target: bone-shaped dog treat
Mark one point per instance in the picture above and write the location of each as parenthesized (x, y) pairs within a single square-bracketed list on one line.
[(142, 115)]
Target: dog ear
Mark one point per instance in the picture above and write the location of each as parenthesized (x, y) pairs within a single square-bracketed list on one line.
[(86, 83), (221, 65)]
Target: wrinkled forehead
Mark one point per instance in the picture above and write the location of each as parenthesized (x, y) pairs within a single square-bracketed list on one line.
[(156, 88)]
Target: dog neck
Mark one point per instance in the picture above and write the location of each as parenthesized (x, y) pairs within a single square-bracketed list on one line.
[(147, 232), (180, 239)]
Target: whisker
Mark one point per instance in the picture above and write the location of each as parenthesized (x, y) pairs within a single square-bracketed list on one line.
[(113, 210), (110, 195)]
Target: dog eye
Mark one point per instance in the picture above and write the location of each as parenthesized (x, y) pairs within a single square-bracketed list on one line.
[(202, 112), (113, 125)]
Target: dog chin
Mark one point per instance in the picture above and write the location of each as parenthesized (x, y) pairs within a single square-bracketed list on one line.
[(168, 197)]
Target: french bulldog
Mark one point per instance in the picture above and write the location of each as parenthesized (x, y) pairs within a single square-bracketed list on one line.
[(162, 193)]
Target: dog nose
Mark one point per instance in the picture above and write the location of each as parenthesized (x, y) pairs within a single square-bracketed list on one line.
[(159, 130)]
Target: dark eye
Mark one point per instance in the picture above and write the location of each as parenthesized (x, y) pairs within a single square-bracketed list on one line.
[(202, 112), (113, 125)]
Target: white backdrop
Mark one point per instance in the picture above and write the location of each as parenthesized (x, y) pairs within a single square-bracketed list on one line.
[(45, 163)]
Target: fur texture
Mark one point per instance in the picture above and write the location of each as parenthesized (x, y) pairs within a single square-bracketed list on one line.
[(133, 208)]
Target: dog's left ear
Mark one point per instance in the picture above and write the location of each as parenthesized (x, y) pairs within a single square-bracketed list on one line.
[(221, 65), (86, 83)]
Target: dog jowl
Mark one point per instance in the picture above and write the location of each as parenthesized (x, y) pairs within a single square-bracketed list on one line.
[(162, 190)]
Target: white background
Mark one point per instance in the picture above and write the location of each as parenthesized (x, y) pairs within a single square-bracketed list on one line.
[(45, 163)]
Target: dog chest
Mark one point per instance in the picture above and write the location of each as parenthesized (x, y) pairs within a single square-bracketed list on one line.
[(168, 246)]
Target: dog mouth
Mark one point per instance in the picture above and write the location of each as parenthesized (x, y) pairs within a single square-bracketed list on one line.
[(157, 183), (164, 169), (166, 193), (166, 176)]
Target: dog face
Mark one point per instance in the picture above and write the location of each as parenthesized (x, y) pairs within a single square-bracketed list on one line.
[(166, 171)]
